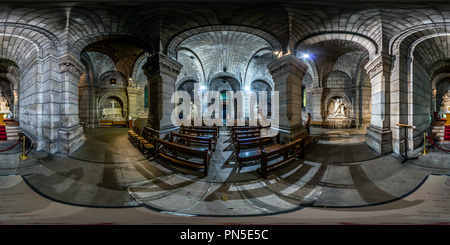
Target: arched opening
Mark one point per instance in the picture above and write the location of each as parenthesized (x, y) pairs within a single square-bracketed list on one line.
[(337, 91), (112, 107), (6, 99), (263, 86), (112, 67), (222, 85)]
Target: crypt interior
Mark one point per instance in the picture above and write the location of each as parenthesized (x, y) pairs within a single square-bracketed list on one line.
[(85, 97)]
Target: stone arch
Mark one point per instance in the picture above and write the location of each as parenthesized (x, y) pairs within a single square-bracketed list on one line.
[(235, 84), (104, 97), (224, 75), (396, 41), (187, 85), (138, 72), (265, 80), (175, 41), (414, 52), (438, 78), (185, 79), (78, 47), (369, 44)]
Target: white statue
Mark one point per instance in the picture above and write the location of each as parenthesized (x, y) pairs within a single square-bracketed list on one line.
[(255, 112), (194, 110), (339, 109)]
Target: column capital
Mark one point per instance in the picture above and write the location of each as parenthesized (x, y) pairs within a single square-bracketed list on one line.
[(162, 63), (287, 64), (70, 64), (380, 63), (133, 91), (316, 91)]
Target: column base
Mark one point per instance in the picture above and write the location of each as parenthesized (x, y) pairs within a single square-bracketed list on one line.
[(288, 135), (164, 132), (70, 139), (379, 140)]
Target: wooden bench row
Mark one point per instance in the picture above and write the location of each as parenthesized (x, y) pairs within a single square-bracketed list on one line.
[(248, 149), (201, 132), (213, 128), (148, 142), (179, 149), (188, 139), (171, 151), (269, 154), (112, 123), (289, 152)]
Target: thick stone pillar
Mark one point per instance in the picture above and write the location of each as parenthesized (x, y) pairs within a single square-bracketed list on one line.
[(287, 73), (132, 93), (379, 134), (70, 132), (161, 72)]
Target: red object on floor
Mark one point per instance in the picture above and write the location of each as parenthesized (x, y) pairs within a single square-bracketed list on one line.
[(3, 133), (447, 132)]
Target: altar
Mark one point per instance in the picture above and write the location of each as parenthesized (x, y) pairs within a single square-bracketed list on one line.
[(444, 111), (4, 110), (2, 114)]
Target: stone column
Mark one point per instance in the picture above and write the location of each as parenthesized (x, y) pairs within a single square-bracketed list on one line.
[(433, 103), (70, 132), (132, 93), (316, 94), (379, 134), (287, 73), (161, 72), (16, 105)]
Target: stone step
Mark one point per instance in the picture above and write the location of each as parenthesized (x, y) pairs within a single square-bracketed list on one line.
[(12, 133)]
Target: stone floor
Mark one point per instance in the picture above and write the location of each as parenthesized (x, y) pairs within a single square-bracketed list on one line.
[(107, 174)]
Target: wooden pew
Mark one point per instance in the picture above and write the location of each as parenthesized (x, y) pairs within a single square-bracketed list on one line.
[(106, 123), (245, 134), (215, 128), (170, 151), (247, 128), (124, 123), (289, 152), (248, 149), (200, 132), (193, 138)]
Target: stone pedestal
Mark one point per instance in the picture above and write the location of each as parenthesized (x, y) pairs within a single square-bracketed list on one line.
[(161, 72), (287, 73)]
